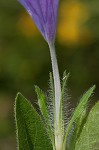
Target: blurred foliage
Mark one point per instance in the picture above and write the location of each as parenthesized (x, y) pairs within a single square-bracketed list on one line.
[(25, 59)]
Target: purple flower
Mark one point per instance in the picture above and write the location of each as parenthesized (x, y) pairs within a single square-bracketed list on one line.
[(44, 14)]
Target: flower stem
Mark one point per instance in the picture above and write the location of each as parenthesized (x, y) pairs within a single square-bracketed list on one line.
[(57, 88), (57, 85)]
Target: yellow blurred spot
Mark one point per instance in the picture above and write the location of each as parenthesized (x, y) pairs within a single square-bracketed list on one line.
[(71, 27), (26, 25)]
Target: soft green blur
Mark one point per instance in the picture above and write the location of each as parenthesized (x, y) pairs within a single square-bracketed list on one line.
[(25, 58)]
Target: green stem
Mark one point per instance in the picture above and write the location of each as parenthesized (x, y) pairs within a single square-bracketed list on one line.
[(57, 87)]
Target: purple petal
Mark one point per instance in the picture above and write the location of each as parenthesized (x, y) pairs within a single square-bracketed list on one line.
[(55, 7), (44, 14)]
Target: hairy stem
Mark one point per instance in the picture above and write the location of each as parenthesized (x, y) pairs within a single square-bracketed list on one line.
[(57, 87)]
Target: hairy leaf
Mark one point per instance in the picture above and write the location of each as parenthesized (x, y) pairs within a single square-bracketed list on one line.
[(31, 133), (64, 107), (76, 130), (42, 102), (89, 137), (51, 101), (79, 111), (44, 110), (66, 110)]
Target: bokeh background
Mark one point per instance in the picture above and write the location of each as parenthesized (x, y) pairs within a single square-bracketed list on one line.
[(25, 59)]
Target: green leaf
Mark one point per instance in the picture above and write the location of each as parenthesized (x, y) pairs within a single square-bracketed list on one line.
[(76, 130), (51, 88), (43, 108), (79, 111), (42, 102), (31, 133), (51, 100), (89, 137), (64, 107)]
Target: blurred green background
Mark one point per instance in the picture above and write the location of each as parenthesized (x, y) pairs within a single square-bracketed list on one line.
[(25, 58)]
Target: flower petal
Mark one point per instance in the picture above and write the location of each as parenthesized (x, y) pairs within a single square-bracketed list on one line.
[(44, 14)]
